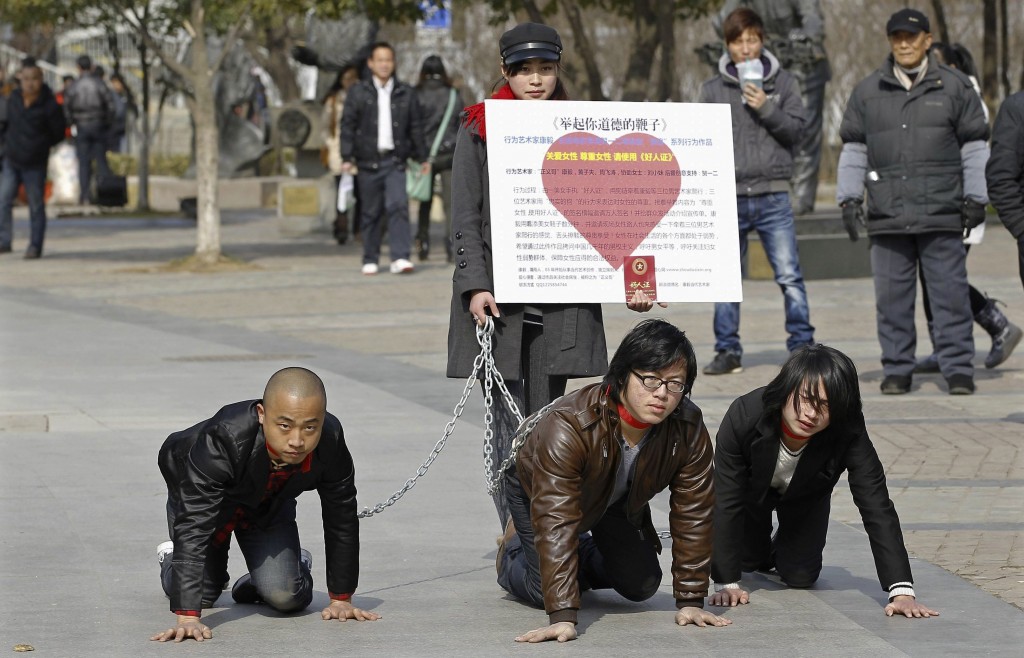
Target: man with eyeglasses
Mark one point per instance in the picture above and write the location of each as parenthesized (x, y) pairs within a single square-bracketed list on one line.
[(587, 466)]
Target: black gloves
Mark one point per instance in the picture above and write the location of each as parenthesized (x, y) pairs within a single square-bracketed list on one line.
[(972, 214), (853, 214)]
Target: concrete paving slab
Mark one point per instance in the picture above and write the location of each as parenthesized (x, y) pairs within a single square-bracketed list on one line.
[(116, 359)]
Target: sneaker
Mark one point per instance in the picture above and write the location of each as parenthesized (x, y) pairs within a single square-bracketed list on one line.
[(401, 266), (724, 363), (163, 550), (896, 384), (960, 384), (927, 365), (306, 559), (370, 269), (510, 532)]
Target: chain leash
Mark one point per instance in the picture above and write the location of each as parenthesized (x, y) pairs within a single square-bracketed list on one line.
[(484, 361)]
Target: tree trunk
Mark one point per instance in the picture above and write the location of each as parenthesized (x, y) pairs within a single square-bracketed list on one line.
[(278, 43), (533, 11), (1004, 49), (641, 50), (584, 49), (667, 87), (989, 55), (143, 201), (204, 116), (940, 20)]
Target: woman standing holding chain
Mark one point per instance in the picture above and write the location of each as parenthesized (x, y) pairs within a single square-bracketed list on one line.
[(537, 347)]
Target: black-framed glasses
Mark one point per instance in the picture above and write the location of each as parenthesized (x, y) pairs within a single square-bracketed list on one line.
[(652, 383)]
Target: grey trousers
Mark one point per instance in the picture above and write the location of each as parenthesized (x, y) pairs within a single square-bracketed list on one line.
[(942, 258), (382, 197)]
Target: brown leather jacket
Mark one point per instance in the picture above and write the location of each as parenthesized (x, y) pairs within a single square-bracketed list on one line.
[(567, 467)]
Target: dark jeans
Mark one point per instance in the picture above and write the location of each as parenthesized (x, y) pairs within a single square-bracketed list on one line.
[(530, 394), (90, 146), (797, 546), (613, 555), (771, 215), (894, 263), (34, 180), (272, 557), (382, 192)]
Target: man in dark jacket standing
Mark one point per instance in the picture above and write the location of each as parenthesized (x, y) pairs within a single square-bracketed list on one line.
[(588, 466), (915, 132), (89, 106), (1005, 170), (32, 125), (380, 129), (767, 123), (239, 473)]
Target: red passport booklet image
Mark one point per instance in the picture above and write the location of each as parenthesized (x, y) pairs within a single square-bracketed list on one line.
[(639, 275)]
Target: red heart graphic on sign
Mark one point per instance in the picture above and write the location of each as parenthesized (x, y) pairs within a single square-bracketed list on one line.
[(613, 194)]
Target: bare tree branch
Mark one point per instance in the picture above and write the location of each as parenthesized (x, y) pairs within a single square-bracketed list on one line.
[(172, 63), (232, 35)]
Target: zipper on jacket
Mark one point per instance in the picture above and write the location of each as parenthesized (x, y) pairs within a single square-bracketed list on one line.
[(675, 444)]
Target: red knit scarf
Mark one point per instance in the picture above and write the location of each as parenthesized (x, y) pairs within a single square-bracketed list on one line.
[(475, 113)]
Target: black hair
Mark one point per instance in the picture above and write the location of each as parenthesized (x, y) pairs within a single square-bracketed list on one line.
[(84, 62), (966, 61), (67, 78), (741, 20), (99, 71), (802, 372), (651, 345), (29, 62), (433, 67), (336, 85), (379, 44)]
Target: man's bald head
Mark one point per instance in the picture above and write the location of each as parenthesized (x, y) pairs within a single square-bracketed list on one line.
[(295, 383)]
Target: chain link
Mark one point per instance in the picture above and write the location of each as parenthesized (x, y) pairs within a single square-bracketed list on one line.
[(483, 361)]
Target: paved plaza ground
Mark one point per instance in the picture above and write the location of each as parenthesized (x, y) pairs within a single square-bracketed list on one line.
[(104, 351)]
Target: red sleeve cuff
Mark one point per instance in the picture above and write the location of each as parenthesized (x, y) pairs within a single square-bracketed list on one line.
[(340, 597), (189, 613)]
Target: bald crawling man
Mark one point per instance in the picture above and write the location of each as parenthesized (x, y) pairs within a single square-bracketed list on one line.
[(239, 473)]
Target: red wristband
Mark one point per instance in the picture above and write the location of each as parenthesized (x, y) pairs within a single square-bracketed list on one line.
[(188, 613), (340, 597)]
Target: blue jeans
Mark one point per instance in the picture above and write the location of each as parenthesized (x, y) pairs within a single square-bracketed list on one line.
[(90, 146), (34, 180), (382, 193), (272, 557), (771, 215)]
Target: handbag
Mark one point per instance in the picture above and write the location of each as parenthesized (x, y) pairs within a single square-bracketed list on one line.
[(419, 184)]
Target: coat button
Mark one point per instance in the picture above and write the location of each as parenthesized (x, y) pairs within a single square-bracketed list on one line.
[(461, 251), (462, 265), (458, 236)]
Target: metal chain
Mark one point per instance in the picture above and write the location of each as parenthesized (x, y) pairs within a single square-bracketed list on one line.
[(484, 360)]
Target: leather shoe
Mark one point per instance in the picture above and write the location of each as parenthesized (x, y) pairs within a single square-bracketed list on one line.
[(33, 253), (5, 248), (896, 385), (960, 384)]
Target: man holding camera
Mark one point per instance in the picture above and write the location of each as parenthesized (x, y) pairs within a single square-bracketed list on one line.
[(914, 134)]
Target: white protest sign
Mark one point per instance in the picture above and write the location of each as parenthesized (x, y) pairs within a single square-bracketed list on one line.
[(580, 189)]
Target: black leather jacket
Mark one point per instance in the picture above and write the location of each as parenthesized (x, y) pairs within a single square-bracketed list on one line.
[(220, 464), (359, 126), (567, 467), (89, 102)]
